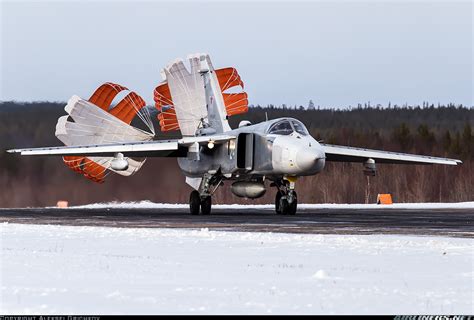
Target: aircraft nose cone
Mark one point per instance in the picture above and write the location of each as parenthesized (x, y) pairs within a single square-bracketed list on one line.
[(307, 159)]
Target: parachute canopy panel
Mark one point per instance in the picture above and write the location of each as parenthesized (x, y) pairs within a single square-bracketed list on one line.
[(172, 119), (164, 103)]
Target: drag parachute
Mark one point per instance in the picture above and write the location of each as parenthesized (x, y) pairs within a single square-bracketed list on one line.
[(228, 78), (184, 101), (96, 121)]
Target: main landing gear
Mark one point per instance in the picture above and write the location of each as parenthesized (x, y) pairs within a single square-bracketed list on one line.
[(199, 204), (201, 201), (286, 199)]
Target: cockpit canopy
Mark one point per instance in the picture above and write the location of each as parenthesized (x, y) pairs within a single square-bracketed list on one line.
[(288, 126)]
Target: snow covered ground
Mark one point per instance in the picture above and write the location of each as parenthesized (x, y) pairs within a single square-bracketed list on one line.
[(93, 270), (152, 205)]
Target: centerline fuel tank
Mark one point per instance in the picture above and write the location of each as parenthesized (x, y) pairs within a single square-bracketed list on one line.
[(248, 189)]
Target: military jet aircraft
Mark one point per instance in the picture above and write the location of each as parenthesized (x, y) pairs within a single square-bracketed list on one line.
[(198, 101)]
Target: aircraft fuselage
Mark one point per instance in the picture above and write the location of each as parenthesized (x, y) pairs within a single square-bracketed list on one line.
[(259, 150)]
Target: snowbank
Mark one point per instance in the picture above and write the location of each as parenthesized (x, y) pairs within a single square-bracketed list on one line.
[(93, 270), (152, 205)]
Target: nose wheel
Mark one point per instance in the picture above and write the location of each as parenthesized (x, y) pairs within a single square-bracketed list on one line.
[(286, 203), (199, 204)]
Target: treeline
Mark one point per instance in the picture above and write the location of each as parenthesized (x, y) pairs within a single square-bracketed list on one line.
[(445, 131)]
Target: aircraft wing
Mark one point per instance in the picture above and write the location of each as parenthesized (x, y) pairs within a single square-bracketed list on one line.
[(157, 148), (351, 154)]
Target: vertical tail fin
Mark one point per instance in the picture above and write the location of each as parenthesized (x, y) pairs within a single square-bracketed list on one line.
[(216, 111)]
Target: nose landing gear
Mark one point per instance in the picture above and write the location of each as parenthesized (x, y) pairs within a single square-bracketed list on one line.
[(286, 199)]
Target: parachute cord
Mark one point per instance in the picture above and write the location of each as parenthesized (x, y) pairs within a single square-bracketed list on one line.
[(228, 81), (145, 117)]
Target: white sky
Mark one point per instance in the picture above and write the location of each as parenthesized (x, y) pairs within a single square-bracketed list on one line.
[(336, 53)]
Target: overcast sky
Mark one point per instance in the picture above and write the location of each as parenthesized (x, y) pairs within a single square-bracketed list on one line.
[(336, 53)]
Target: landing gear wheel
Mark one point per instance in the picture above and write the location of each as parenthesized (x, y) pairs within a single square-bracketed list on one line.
[(206, 204), (284, 206), (292, 206), (277, 202), (194, 202)]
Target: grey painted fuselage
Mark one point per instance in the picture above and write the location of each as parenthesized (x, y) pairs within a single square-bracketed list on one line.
[(259, 150)]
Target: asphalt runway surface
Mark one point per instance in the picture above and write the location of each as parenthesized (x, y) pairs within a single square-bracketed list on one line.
[(440, 222)]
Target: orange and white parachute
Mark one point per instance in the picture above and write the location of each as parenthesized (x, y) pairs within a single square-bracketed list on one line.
[(190, 87), (94, 121)]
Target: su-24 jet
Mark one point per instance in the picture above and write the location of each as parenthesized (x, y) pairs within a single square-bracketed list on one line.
[(100, 139)]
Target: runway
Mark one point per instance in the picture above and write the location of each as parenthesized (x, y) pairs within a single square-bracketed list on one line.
[(457, 222)]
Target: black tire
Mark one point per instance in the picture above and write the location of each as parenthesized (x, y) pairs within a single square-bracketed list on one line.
[(284, 206), (293, 206), (194, 202), (277, 202), (206, 204)]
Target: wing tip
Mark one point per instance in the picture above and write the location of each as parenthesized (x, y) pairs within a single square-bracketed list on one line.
[(453, 162)]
